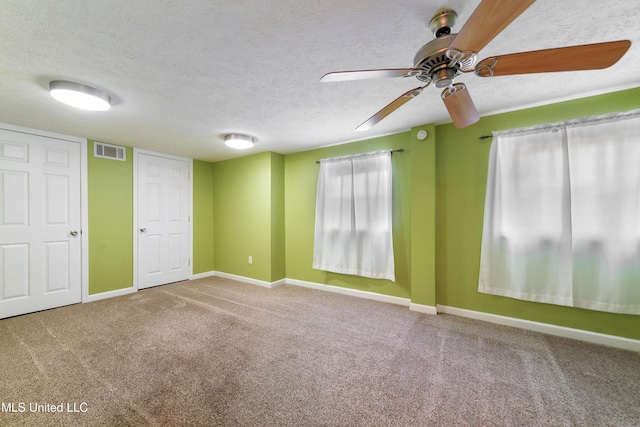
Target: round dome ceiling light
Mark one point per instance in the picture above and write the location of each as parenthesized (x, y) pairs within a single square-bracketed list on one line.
[(79, 95), (239, 141)]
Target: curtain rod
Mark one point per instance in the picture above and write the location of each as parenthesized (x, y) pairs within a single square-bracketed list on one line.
[(399, 150), (483, 137)]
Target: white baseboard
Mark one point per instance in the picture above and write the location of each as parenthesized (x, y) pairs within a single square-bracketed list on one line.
[(109, 294), (126, 291), (425, 309), (203, 275), (546, 328), (352, 292), (278, 283), (249, 280)]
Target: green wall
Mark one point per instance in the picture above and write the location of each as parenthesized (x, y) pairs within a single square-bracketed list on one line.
[(301, 178), (413, 216), (110, 188), (278, 270), (462, 161), (423, 217), (203, 236), (263, 206), (248, 200)]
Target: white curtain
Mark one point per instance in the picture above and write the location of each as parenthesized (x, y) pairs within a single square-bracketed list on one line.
[(353, 228), (562, 214)]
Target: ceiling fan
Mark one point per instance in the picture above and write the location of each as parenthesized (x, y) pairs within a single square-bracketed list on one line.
[(442, 60)]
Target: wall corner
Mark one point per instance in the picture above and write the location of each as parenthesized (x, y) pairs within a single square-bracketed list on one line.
[(423, 208)]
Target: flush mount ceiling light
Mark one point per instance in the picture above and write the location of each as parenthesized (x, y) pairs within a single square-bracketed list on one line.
[(239, 141), (79, 95)]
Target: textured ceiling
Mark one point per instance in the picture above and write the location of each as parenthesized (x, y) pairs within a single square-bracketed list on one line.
[(181, 74)]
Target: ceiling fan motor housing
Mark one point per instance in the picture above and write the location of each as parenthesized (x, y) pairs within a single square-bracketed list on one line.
[(433, 59)]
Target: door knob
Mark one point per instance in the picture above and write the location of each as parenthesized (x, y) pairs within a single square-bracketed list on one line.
[(143, 230), (74, 233)]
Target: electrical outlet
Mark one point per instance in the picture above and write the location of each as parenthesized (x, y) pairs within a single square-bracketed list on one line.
[(250, 259)]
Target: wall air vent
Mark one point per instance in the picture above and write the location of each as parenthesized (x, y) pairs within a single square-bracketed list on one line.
[(106, 151)]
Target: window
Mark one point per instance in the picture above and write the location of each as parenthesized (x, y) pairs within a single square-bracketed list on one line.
[(562, 214), (353, 228)]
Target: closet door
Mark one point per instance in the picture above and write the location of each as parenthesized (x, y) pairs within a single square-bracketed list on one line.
[(163, 211), (40, 219)]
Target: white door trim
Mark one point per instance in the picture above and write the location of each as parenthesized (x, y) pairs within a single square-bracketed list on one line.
[(84, 199), (136, 153)]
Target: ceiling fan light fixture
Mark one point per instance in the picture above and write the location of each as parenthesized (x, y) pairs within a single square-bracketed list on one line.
[(79, 95), (239, 141)]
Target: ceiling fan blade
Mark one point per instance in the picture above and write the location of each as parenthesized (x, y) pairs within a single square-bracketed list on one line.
[(393, 106), (574, 58), (341, 76), (460, 105), (486, 22)]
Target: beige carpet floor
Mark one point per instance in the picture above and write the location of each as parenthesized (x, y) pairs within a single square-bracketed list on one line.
[(215, 352)]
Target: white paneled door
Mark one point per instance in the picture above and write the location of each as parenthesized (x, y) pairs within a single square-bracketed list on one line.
[(163, 216), (40, 219)]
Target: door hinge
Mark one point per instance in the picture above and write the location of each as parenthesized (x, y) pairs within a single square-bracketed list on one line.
[(189, 261)]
